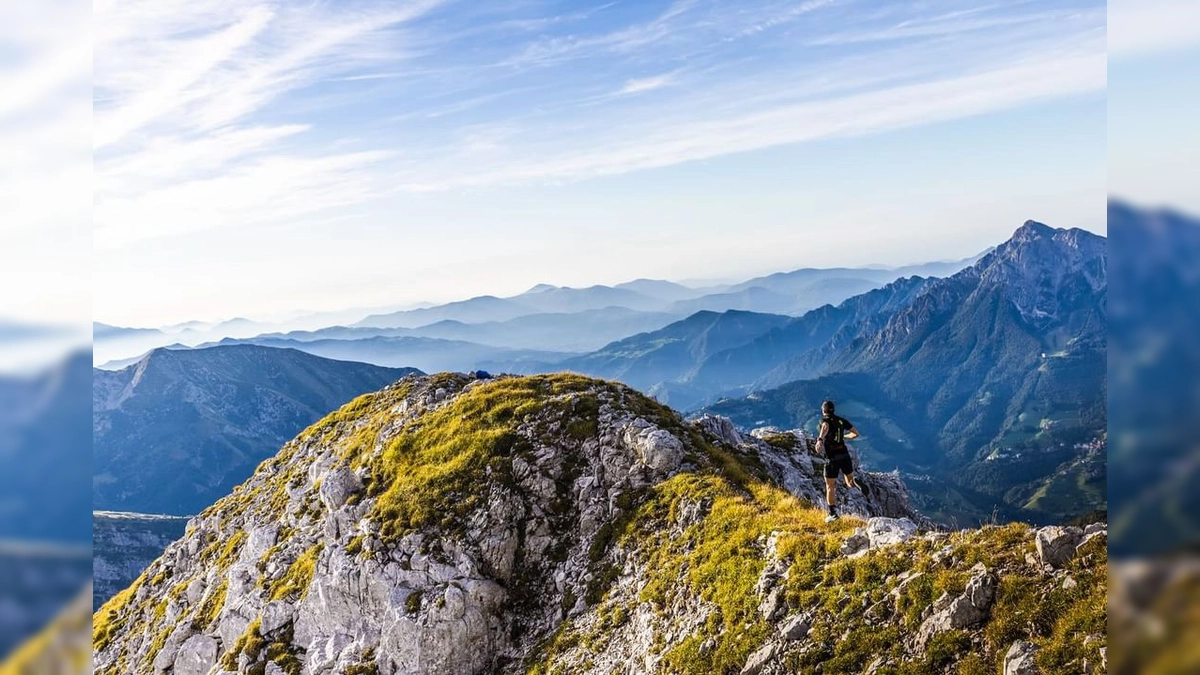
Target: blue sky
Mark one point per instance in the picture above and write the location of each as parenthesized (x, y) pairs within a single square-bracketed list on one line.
[(255, 159)]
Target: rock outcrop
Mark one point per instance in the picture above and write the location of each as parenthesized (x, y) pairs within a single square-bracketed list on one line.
[(450, 524), (1056, 545), (1020, 659)]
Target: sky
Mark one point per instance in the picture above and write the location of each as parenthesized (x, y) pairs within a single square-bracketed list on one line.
[(258, 159), (45, 182), (1154, 87)]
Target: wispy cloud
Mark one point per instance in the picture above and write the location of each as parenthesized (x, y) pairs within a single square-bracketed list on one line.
[(226, 113), (188, 108), (45, 165), (872, 112), (643, 84)]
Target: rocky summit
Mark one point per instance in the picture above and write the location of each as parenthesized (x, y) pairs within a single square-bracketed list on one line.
[(558, 524)]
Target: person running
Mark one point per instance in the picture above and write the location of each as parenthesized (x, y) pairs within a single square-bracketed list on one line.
[(831, 442)]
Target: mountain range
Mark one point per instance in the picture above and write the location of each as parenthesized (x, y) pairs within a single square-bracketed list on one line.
[(427, 354), (564, 331), (681, 365), (791, 293), (546, 318), (992, 381), (462, 525), (178, 429), (993, 375)]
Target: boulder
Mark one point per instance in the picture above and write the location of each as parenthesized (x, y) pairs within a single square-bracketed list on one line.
[(275, 616), (166, 655), (1056, 545), (856, 543), (1088, 537), (1020, 659), (656, 448), (796, 627), (965, 611), (760, 659), (721, 427), (772, 606), (196, 655), (337, 486), (889, 531)]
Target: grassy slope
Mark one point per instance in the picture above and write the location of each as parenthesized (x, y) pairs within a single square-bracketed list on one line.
[(425, 475)]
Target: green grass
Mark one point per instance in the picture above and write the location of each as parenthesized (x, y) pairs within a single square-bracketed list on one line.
[(721, 558), (429, 473), (294, 583), (425, 473)]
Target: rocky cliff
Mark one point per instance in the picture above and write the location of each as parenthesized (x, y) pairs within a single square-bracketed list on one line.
[(558, 524), (123, 544)]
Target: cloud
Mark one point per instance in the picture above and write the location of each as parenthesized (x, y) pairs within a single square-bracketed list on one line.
[(185, 134), (45, 167), (863, 113), (234, 113), (644, 84)]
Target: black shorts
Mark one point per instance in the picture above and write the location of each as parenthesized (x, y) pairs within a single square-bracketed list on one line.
[(839, 462)]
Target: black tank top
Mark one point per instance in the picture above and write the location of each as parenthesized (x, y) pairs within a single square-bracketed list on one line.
[(835, 434)]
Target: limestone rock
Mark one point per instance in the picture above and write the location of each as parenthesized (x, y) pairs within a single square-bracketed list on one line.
[(720, 427), (196, 655), (883, 531), (1019, 660), (796, 627), (1056, 544), (338, 485), (856, 543), (760, 659), (964, 611), (772, 606), (655, 447), (275, 616), (304, 549)]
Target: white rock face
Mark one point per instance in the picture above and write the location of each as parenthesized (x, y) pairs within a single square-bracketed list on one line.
[(879, 532), (196, 656), (1056, 545), (1019, 660), (301, 558), (655, 447), (798, 473), (338, 485), (796, 627), (889, 531), (964, 611)]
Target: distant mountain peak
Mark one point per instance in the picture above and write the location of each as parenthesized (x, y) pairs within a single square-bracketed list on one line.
[(1032, 228), (541, 288)]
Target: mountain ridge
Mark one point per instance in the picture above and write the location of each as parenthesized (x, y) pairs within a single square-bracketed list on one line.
[(454, 524), (999, 369), (176, 430)]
